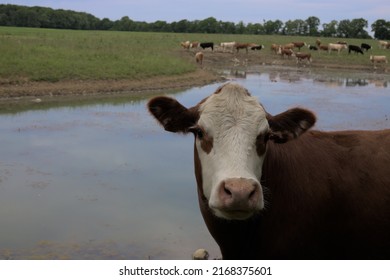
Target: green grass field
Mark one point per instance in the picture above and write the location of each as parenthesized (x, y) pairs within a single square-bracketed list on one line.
[(52, 55), (30, 54)]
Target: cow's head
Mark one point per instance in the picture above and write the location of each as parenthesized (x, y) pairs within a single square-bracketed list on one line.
[(231, 130)]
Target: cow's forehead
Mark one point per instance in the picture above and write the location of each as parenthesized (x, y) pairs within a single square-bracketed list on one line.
[(231, 102)]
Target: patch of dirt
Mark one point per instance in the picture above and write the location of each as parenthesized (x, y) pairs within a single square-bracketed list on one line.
[(82, 87)]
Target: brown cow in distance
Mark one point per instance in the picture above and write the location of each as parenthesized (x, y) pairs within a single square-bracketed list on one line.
[(287, 52), (299, 45), (245, 46), (269, 187), (199, 58), (303, 56)]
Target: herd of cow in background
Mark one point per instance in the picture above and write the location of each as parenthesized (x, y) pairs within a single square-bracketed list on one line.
[(288, 50)]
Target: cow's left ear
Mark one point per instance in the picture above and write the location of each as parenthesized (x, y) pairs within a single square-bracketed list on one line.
[(173, 116), (290, 124)]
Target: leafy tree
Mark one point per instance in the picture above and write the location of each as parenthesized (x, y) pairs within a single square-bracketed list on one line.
[(357, 29), (273, 27), (8, 15), (255, 28), (227, 27), (352, 29), (124, 24), (330, 29), (344, 28), (240, 28), (27, 17), (181, 27), (159, 26), (208, 25), (14, 15), (289, 28), (381, 29), (295, 27), (313, 23), (105, 24)]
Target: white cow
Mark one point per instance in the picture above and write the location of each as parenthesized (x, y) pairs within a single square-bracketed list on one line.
[(336, 47), (228, 46), (378, 59)]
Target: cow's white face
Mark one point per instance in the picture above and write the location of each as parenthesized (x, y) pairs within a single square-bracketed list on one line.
[(231, 131), (228, 132)]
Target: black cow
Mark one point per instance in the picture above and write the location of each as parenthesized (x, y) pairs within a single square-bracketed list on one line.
[(257, 47), (365, 46), (207, 45), (354, 48)]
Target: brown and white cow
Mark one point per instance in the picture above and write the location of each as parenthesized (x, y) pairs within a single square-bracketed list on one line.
[(271, 188), (287, 52), (303, 56)]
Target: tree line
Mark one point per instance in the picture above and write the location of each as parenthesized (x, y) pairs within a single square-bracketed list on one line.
[(42, 17)]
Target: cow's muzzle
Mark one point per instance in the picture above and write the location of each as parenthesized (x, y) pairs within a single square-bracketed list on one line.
[(239, 198)]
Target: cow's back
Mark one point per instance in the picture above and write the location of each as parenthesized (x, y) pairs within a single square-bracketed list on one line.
[(328, 196)]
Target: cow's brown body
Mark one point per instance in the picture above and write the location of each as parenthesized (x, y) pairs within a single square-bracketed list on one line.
[(328, 197), (299, 45), (303, 56)]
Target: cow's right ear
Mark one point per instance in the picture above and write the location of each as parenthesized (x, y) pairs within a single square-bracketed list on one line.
[(290, 124), (173, 116)]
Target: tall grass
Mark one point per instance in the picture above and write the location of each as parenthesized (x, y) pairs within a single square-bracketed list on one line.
[(53, 55)]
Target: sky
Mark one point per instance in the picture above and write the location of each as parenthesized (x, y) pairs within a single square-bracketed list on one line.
[(248, 11)]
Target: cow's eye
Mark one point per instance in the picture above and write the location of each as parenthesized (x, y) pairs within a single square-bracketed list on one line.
[(198, 132), (261, 143)]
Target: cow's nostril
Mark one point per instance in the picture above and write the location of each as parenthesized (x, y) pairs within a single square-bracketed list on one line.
[(252, 194), (227, 191)]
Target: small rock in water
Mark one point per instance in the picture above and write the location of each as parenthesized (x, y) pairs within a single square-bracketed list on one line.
[(200, 254)]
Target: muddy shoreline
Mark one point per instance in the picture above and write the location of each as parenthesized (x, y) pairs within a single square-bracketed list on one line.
[(213, 65)]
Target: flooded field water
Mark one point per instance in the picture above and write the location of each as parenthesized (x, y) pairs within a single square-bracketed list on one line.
[(104, 181)]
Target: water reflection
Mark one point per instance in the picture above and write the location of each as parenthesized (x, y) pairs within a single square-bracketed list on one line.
[(327, 79), (103, 180), (331, 82), (352, 82)]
